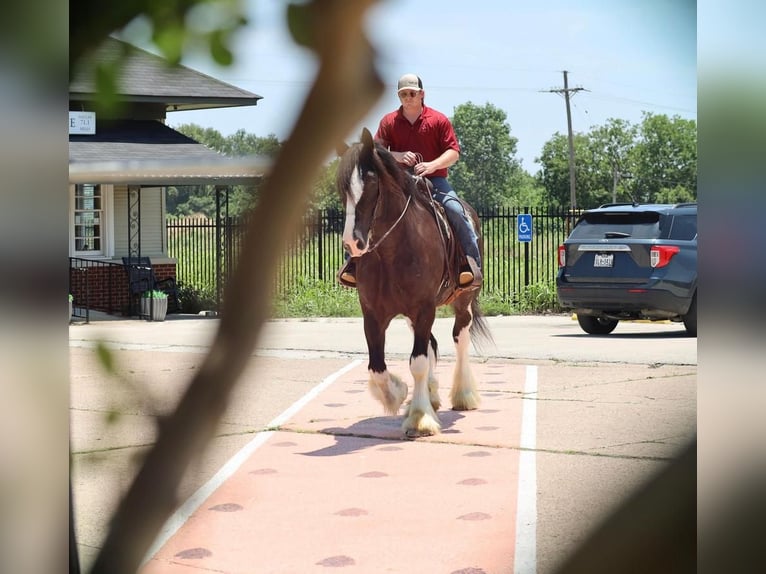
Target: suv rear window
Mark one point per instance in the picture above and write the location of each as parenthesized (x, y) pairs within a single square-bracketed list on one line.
[(636, 225), (684, 227)]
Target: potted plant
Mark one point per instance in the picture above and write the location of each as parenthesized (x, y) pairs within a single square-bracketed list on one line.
[(154, 305), (71, 298)]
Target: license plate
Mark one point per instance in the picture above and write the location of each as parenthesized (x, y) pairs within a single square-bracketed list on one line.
[(603, 259)]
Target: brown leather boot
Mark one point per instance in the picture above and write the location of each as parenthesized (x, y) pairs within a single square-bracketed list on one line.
[(471, 275), (347, 274)]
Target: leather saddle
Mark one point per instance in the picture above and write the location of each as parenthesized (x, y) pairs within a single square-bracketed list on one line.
[(455, 257)]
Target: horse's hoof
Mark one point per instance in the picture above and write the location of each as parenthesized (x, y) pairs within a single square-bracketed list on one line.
[(415, 433)]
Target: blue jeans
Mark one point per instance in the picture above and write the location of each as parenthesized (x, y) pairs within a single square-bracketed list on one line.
[(457, 216)]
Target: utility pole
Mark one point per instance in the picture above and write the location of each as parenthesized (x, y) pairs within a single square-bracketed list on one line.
[(566, 91)]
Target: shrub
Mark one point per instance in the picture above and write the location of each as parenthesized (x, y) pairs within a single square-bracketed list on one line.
[(538, 298), (194, 299)]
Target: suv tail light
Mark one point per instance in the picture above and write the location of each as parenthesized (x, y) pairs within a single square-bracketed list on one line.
[(660, 255), (562, 256)]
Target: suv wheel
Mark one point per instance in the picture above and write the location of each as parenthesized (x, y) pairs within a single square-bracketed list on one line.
[(690, 319), (596, 325)]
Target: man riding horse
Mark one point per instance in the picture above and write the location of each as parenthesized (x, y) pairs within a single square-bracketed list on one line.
[(423, 140)]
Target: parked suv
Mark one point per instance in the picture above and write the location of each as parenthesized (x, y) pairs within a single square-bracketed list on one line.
[(631, 261)]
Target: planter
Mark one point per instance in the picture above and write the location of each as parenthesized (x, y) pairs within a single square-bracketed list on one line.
[(154, 309)]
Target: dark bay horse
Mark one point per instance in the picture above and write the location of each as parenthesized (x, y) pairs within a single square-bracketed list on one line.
[(403, 267)]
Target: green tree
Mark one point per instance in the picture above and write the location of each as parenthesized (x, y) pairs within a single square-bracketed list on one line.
[(200, 199), (656, 161), (324, 194), (242, 143), (529, 193), (488, 170), (554, 176), (665, 159), (611, 149), (209, 137)]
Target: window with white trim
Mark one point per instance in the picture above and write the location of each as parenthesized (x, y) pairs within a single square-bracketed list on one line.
[(89, 204)]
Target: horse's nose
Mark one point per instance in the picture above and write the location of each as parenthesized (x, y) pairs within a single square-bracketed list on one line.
[(354, 242)]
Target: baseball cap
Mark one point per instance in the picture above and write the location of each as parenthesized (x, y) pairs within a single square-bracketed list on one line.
[(409, 82)]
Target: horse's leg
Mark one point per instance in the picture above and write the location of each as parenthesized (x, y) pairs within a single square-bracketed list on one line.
[(384, 386), (421, 418), (433, 382), (464, 395)]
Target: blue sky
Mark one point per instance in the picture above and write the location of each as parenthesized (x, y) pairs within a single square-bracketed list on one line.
[(630, 56)]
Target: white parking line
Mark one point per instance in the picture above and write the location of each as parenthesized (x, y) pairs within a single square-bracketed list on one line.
[(525, 557), (182, 514)]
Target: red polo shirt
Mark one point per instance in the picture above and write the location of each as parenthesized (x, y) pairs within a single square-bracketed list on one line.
[(430, 135)]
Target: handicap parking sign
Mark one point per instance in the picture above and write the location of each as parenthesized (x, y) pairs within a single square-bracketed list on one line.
[(524, 226)]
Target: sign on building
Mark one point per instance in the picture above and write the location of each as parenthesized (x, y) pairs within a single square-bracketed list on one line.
[(82, 123)]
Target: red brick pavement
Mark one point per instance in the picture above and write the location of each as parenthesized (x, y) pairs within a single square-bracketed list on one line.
[(336, 488)]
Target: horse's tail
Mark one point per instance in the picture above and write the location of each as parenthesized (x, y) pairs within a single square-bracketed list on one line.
[(481, 336)]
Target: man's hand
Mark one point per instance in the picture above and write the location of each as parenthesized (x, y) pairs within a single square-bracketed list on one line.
[(424, 168), (406, 157)]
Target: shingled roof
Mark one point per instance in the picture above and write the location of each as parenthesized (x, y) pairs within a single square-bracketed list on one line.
[(146, 151), (148, 78), (149, 152)]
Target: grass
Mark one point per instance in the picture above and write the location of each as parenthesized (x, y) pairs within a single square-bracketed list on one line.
[(323, 299), (312, 298)]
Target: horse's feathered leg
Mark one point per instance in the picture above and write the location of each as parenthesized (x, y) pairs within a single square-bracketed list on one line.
[(421, 418), (433, 382), (384, 386), (464, 395)]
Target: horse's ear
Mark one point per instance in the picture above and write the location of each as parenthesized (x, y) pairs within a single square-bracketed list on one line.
[(366, 138), (341, 148)]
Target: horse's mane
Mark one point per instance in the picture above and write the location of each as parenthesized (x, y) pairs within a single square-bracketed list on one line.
[(382, 162)]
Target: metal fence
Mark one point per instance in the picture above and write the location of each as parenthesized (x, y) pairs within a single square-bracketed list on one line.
[(207, 249)]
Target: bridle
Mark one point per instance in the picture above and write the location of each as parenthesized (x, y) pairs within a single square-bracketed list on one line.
[(375, 244)]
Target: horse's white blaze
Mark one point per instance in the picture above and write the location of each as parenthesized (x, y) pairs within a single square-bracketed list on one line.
[(464, 395), (421, 417), (388, 389), (355, 195)]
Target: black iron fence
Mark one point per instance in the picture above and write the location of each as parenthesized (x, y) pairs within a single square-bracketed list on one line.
[(207, 249)]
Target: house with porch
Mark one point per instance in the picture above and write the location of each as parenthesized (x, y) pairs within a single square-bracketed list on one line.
[(120, 165)]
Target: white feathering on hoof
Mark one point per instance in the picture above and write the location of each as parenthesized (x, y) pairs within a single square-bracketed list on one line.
[(421, 419), (389, 390), (464, 395)]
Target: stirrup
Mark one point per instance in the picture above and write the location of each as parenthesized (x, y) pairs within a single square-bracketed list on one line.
[(346, 275), (470, 276)]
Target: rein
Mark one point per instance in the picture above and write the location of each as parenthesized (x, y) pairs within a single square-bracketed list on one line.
[(390, 229)]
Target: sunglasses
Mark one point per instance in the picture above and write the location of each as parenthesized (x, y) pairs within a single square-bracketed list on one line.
[(408, 94)]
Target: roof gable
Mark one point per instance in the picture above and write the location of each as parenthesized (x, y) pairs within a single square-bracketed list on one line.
[(146, 77)]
